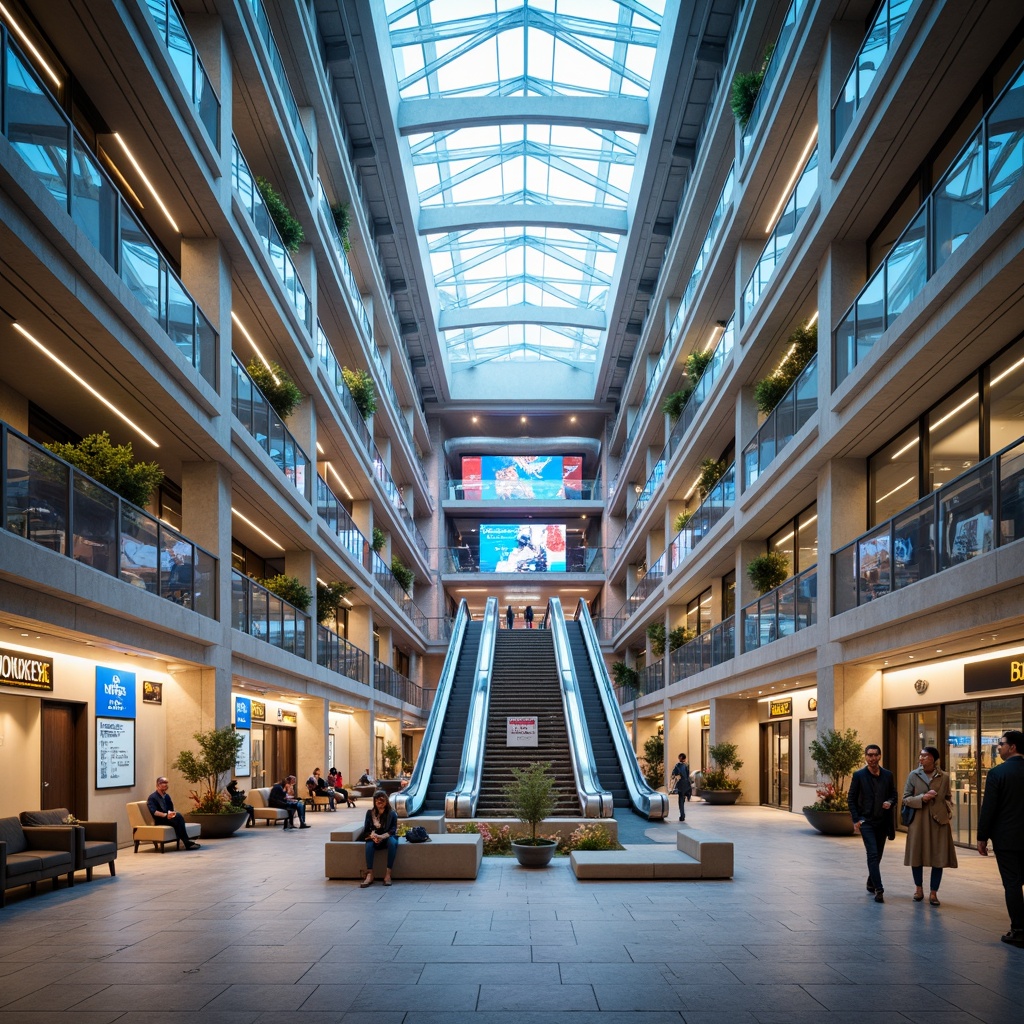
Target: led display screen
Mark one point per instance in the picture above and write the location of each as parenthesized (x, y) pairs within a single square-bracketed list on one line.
[(508, 547), (522, 477)]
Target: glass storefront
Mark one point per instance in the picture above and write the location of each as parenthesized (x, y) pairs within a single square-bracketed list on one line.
[(775, 778)]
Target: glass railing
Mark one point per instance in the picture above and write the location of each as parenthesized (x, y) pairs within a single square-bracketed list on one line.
[(258, 612), (524, 490), (986, 167), (980, 510), (49, 502), (713, 647), (42, 135), (772, 72), (463, 558), (652, 679), (391, 682), (257, 415), (244, 184), (334, 652), (325, 353), (172, 33), (782, 234), (711, 510), (344, 267), (782, 611), (280, 76), (643, 499), (797, 406), (394, 496), (704, 386), (646, 586), (386, 578), (336, 516), (888, 21)]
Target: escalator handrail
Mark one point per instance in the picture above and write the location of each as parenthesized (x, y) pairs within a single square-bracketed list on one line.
[(595, 802), (646, 801), (461, 801), (410, 800)]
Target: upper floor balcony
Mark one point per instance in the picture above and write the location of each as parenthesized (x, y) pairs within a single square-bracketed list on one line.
[(264, 615), (786, 610), (336, 653)]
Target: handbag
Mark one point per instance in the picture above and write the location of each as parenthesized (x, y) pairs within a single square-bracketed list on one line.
[(417, 834), (907, 814)]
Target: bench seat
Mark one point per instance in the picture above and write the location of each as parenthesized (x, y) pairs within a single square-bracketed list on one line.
[(29, 855), (145, 830), (261, 809), (695, 856), (445, 857)]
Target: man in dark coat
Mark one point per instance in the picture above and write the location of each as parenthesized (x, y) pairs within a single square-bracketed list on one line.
[(872, 797), (1002, 821), (161, 806)]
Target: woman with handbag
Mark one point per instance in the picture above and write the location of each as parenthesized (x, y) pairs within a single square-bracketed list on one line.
[(380, 831), (929, 836)]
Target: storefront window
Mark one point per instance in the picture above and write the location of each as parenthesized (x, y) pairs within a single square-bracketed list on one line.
[(1006, 398), (962, 765), (729, 594), (953, 435), (895, 477), (798, 540)]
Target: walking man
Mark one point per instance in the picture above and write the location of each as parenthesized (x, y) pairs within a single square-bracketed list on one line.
[(872, 798), (528, 616), (510, 617), (683, 786), (1002, 821)]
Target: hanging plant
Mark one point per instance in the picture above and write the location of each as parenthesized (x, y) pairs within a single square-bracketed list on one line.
[(112, 465), (290, 230), (329, 597), (379, 539), (289, 589), (657, 634), (278, 388), (697, 363), (360, 386), (745, 87), (680, 521), (766, 572), (625, 676), (680, 636), (341, 212), (770, 390), (711, 471), (405, 576), (675, 403)]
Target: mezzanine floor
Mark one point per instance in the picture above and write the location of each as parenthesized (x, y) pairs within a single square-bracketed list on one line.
[(248, 930)]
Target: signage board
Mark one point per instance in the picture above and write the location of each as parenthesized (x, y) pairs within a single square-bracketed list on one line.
[(259, 711), (521, 731), (781, 708), (25, 671), (242, 757), (995, 674), (152, 693), (243, 712), (115, 693), (115, 752)]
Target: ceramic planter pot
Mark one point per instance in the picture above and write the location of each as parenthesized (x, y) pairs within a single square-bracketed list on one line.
[(830, 823), (531, 856), (719, 796), (218, 826)]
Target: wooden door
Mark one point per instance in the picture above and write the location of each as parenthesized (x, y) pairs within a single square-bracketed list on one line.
[(63, 762), (284, 744)]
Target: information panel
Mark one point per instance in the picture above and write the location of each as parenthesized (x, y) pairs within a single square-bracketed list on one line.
[(115, 752), (522, 477), (511, 547)]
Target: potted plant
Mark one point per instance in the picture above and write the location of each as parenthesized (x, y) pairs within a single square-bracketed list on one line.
[(329, 597), (770, 390), (711, 471), (342, 218), (378, 539), (531, 798), (652, 764), (209, 772), (112, 465), (697, 363), (289, 589), (680, 521), (745, 87), (717, 785), (405, 576), (675, 402), (657, 634), (290, 230), (360, 386), (277, 387), (837, 756), (680, 636), (768, 571)]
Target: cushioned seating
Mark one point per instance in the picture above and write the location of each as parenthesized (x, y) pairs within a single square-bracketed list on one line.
[(95, 841), (28, 855), (145, 830), (261, 809)]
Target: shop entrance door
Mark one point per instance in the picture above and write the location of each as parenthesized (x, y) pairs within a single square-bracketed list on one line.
[(63, 763), (775, 746), (913, 730)]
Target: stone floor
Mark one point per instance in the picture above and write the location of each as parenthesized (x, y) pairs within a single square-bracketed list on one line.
[(248, 930)]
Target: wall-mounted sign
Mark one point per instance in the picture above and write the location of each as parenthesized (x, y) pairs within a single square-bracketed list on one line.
[(259, 711), (920, 685), (997, 674), (242, 757), (25, 671), (705, 720), (152, 693), (288, 717), (115, 693), (781, 708), (243, 712), (812, 703), (115, 752), (521, 731)]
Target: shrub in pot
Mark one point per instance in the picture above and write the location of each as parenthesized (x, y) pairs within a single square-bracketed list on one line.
[(745, 87), (531, 798), (329, 597), (290, 230), (360, 386), (289, 589), (711, 471), (768, 571), (770, 390), (680, 636), (717, 784), (837, 756), (378, 539), (278, 388), (341, 212), (675, 402), (112, 465), (680, 521), (405, 576), (657, 634), (209, 771)]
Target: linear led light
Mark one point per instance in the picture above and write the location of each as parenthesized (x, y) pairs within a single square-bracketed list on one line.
[(262, 533), (145, 181), (31, 47), (88, 387), (320, 448), (949, 415), (716, 332), (898, 487), (777, 212), (248, 337), (341, 483)]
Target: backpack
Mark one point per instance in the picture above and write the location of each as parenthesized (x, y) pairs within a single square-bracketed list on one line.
[(417, 834)]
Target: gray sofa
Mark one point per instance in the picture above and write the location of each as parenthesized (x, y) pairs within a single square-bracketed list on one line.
[(28, 855), (95, 841)]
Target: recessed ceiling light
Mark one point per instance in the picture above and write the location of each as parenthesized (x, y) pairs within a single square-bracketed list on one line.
[(522, 419), (476, 419)]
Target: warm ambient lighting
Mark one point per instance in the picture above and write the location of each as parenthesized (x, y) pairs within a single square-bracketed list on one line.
[(262, 533), (320, 448), (248, 337), (898, 487), (30, 46), (776, 213), (341, 483), (88, 387), (716, 332), (949, 415), (145, 181)]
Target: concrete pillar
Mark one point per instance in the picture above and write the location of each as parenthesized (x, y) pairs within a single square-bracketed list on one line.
[(841, 275), (311, 739), (748, 419), (840, 51), (13, 408), (206, 519), (745, 591), (302, 424), (199, 700), (206, 273), (734, 720), (850, 697)]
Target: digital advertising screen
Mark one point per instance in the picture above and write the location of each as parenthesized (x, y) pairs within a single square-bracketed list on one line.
[(507, 547), (522, 477)]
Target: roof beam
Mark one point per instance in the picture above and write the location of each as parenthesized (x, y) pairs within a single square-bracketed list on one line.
[(418, 116), (436, 220), (495, 316)]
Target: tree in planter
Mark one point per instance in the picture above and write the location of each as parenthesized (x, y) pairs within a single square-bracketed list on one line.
[(657, 634), (680, 521), (770, 390), (680, 636), (723, 756), (329, 597), (531, 796), (378, 539), (278, 388), (697, 363), (112, 465), (391, 758), (652, 764), (675, 403), (289, 589), (341, 212), (837, 756), (360, 386), (768, 571), (290, 230), (711, 471), (745, 87), (218, 751), (405, 576)]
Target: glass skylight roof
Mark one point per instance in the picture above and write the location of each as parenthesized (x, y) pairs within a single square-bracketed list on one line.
[(524, 120)]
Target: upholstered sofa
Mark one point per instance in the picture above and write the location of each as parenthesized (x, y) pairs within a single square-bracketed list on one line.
[(95, 841), (261, 809), (28, 855), (146, 830)]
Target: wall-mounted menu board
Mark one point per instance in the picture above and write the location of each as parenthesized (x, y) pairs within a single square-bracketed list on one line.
[(115, 752)]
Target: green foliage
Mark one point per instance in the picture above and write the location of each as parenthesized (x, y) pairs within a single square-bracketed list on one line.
[(290, 230), (770, 390), (112, 465), (768, 571), (278, 388), (697, 363), (405, 576), (745, 87), (360, 386), (680, 521), (652, 763), (391, 758), (711, 471), (675, 403), (723, 755), (288, 588), (378, 539), (626, 677), (341, 212), (837, 756), (680, 636), (657, 634), (531, 794), (329, 597), (218, 751)]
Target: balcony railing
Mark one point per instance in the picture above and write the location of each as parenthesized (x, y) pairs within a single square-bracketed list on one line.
[(647, 585), (337, 654), (49, 502), (277, 67), (184, 56), (257, 415), (244, 184), (980, 510), (540, 490), (711, 510), (394, 684), (344, 267), (782, 234), (985, 169), (713, 647), (782, 611), (652, 679), (797, 406), (325, 353), (336, 516), (394, 496), (772, 72), (386, 579), (467, 559), (258, 612), (43, 136), (888, 21)]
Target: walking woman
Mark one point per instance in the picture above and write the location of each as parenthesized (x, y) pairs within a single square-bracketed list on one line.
[(929, 836), (380, 829)]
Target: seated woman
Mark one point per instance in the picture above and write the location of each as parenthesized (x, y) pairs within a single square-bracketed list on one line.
[(336, 783), (237, 798), (380, 829), (317, 786)]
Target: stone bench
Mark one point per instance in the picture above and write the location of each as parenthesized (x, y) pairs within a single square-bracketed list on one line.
[(445, 856), (694, 856)]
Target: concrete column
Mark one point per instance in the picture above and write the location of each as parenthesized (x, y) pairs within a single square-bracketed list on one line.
[(745, 592), (302, 565), (841, 274), (199, 700), (736, 721), (850, 697), (844, 40), (311, 739), (206, 519), (206, 273), (207, 33), (748, 419), (13, 408), (360, 628)]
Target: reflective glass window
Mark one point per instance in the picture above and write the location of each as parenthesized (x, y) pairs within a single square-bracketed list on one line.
[(1006, 398), (894, 476), (953, 435)]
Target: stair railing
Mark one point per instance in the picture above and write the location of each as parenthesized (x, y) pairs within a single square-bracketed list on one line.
[(410, 800), (595, 802), (646, 801), (461, 801)]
